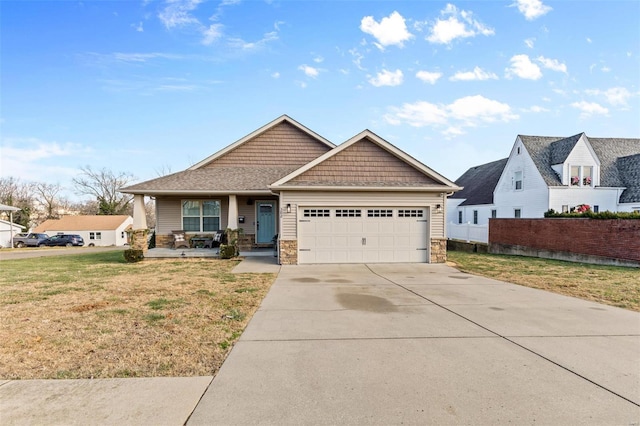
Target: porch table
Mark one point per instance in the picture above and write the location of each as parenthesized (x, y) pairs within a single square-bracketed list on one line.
[(201, 242)]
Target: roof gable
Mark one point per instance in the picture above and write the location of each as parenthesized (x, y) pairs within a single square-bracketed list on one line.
[(479, 183), (283, 142), (83, 223), (561, 149), (366, 160)]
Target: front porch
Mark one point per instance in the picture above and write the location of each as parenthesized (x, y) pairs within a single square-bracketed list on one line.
[(183, 253)]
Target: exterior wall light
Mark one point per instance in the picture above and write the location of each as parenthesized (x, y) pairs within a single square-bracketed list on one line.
[(438, 208), (288, 208)]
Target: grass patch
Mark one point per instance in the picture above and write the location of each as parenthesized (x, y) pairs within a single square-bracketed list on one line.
[(94, 315), (611, 285)]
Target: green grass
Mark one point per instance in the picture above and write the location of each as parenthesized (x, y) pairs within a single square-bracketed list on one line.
[(612, 285)]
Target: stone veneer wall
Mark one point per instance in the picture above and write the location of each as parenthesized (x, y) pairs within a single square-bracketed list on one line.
[(163, 241), (438, 250), (288, 252), (138, 238)]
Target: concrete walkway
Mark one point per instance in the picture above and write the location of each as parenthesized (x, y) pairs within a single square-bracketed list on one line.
[(425, 344), (382, 344)]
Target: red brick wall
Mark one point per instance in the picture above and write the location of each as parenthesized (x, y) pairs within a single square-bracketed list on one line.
[(617, 238)]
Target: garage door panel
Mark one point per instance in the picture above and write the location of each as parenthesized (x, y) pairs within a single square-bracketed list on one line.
[(379, 235)]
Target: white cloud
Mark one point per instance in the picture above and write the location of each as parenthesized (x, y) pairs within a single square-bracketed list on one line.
[(552, 64), (458, 24), (589, 40), (429, 77), (357, 58), (616, 96), (390, 31), (138, 57), (177, 13), (532, 9), (590, 108), (275, 75), (387, 78), (33, 159), (605, 69), (537, 109), (477, 74), (530, 42), (211, 34), (309, 71), (521, 66), (239, 43), (138, 27), (469, 111)]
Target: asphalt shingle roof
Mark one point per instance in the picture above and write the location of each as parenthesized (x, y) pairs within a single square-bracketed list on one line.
[(479, 182), (215, 178), (629, 172)]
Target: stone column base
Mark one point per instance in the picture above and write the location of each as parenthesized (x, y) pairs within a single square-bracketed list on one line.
[(288, 252), (438, 250), (138, 239)]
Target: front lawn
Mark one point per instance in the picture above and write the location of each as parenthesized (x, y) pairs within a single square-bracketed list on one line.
[(612, 285), (95, 316)]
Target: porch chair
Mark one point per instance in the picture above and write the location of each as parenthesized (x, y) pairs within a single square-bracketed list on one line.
[(216, 240), (179, 239)]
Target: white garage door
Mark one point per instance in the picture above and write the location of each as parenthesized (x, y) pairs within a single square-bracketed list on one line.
[(362, 235)]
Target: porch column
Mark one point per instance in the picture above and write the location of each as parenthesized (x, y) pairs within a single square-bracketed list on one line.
[(139, 213), (232, 218)]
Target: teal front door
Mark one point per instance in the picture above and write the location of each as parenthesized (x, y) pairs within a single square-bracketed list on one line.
[(266, 223)]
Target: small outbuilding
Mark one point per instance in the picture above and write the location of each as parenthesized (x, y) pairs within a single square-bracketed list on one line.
[(7, 231), (96, 230)]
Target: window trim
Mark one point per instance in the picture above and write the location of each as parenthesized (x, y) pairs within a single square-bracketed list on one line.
[(516, 180), (201, 215)]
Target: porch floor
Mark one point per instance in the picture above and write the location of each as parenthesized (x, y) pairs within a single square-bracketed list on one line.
[(167, 253)]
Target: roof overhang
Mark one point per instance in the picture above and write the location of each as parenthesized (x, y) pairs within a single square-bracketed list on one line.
[(198, 192), (443, 189)]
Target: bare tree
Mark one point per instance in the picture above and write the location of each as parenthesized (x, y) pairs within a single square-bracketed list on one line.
[(47, 194), (103, 185), (19, 194)]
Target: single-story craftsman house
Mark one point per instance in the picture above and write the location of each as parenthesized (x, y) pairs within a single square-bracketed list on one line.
[(96, 230), (364, 201)]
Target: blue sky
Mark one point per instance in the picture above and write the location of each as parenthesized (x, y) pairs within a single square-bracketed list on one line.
[(150, 86)]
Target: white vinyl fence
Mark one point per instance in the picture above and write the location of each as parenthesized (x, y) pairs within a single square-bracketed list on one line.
[(468, 232)]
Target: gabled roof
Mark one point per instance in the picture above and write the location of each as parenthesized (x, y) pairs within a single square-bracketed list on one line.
[(365, 161), (83, 223), (10, 225), (248, 165), (282, 119), (561, 149), (629, 172), (479, 183)]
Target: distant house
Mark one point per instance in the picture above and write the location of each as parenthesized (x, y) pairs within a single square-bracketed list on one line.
[(6, 230), (543, 173), (96, 230)]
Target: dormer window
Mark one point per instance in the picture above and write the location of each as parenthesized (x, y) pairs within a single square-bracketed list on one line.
[(581, 176)]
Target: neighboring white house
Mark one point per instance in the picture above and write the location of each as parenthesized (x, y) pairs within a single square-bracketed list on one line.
[(98, 230), (6, 230), (543, 173)]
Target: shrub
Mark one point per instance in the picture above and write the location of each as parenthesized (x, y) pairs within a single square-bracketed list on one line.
[(227, 251), (591, 215), (133, 255)]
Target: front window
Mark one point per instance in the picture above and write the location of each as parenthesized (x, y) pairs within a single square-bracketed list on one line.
[(575, 176), (494, 214), (517, 213), (581, 176), (475, 217), (459, 217), (201, 216)]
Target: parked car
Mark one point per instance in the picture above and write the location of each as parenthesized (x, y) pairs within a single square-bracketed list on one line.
[(63, 240), (31, 239)]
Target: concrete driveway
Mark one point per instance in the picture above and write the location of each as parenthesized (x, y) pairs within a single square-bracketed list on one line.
[(425, 344)]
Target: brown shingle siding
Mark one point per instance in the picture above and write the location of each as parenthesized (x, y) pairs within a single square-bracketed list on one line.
[(282, 145), (363, 162)]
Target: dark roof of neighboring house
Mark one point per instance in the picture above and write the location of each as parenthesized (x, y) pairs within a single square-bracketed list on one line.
[(629, 171), (546, 151), (479, 182)]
